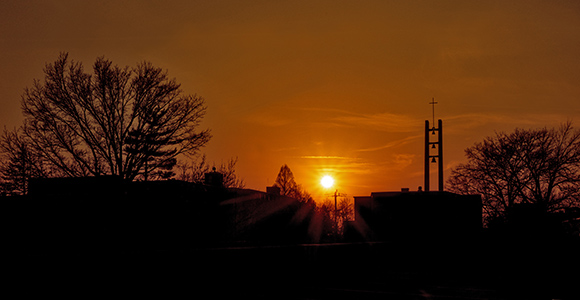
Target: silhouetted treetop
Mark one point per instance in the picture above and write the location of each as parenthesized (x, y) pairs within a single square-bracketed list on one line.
[(116, 120), (285, 181), (288, 186), (539, 167), (195, 170)]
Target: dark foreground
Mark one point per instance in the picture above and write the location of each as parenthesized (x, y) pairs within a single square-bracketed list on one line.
[(325, 271)]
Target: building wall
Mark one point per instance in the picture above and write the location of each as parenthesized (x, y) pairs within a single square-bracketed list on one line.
[(418, 215)]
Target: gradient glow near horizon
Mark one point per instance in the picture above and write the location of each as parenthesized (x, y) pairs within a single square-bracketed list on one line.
[(327, 87)]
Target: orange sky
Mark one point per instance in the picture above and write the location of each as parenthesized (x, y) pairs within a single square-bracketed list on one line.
[(327, 87)]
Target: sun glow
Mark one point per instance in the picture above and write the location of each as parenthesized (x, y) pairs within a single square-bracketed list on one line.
[(327, 181)]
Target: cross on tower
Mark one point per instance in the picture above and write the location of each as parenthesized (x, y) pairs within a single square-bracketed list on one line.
[(433, 105)]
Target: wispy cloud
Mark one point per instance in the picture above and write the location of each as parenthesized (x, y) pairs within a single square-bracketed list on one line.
[(338, 164), (268, 120), (327, 157), (401, 161), (391, 144), (350, 167), (524, 120), (328, 110), (387, 122)]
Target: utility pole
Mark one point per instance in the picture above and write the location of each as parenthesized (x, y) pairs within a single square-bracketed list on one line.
[(336, 211), (336, 194)]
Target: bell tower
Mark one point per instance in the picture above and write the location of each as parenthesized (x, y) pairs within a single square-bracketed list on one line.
[(433, 149)]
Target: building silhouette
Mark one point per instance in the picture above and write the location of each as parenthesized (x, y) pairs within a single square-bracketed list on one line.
[(415, 216), (106, 213)]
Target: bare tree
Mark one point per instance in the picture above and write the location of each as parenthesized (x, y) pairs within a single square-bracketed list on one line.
[(285, 181), (126, 121), (195, 170), (539, 167), (231, 179), (301, 194), (339, 214), (18, 163), (288, 186), (345, 209)]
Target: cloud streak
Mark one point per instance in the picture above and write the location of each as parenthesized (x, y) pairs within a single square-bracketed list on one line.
[(391, 144), (387, 122), (338, 164), (327, 157), (465, 122)]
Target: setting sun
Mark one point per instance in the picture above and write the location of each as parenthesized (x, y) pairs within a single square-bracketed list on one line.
[(327, 181)]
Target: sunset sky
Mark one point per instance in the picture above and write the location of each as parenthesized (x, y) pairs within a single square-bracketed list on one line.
[(338, 88)]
